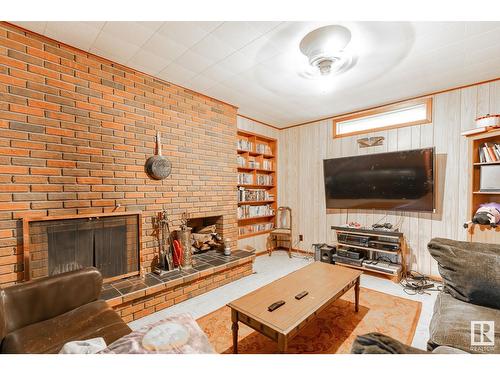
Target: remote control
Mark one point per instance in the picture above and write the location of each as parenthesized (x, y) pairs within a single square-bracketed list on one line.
[(275, 305), (302, 294)]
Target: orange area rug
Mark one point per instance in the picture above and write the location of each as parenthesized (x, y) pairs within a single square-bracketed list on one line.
[(332, 331)]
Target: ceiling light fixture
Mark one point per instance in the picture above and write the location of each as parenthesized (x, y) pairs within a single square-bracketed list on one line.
[(325, 49)]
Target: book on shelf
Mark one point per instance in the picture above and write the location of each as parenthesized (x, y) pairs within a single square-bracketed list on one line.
[(264, 179), (255, 228), (245, 178), (254, 195), (245, 145), (489, 152), (252, 163), (241, 161), (246, 212), (267, 165), (263, 148)]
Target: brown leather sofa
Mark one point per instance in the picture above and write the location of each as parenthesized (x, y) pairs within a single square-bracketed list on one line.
[(40, 316)]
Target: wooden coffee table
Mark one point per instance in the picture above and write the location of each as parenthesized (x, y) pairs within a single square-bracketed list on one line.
[(325, 284)]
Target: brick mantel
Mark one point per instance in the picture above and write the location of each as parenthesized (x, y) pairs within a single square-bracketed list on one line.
[(77, 129)]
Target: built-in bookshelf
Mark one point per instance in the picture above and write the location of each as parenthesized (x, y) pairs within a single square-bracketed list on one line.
[(484, 148), (257, 184)]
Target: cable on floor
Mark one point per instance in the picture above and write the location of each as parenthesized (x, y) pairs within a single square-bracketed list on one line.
[(416, 283)]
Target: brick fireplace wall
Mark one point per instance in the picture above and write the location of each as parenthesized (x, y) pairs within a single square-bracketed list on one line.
[(76, 130)]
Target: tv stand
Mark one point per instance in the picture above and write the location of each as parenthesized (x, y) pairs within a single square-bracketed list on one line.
[(376, 244)]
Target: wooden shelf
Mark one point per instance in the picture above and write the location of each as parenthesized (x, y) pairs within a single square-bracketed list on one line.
[(246, 158), (396, 252), (255, 202), (368, 269), (255, 217), (476, 197), (375, 232), (256, 169), (258, 186), (401, 253), (253, 153), (487, 163), (247, 235)]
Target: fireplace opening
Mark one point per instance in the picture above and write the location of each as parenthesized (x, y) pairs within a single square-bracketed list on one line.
[(109, 243), (206, 233)]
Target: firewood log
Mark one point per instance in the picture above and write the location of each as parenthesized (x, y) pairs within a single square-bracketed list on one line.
[(198, 237), (207, 230)]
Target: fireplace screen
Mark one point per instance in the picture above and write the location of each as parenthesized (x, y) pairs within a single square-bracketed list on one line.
[(111, 244)]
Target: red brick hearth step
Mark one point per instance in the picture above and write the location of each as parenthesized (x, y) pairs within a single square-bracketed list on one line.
[(137, 296)]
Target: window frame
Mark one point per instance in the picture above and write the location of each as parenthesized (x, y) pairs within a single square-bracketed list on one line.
[(382, 110)]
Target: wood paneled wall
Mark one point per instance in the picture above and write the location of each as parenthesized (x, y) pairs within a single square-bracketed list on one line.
[(301, 185), (258, 242)]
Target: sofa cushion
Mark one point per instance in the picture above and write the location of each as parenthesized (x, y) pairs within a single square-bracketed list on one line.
[(448, 350), (469, 270), (451, 324), (95, 319), (378, 343)]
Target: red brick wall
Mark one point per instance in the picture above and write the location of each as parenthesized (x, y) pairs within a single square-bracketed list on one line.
[(76, 130)]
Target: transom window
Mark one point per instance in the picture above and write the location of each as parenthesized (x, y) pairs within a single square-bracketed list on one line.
[(413, 112)]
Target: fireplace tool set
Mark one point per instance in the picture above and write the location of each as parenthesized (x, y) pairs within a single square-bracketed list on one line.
[(173, 254), (166, 254), (185, 238)]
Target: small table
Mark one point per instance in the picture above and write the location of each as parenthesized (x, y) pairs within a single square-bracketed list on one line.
[(325, 283)]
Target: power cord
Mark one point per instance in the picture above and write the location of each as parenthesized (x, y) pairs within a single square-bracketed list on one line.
[(416, 283)]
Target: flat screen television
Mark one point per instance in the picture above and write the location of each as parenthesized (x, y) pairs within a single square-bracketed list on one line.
[(399, 181)]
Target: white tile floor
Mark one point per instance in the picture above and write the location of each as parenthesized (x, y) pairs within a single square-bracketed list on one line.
[(271, 268)]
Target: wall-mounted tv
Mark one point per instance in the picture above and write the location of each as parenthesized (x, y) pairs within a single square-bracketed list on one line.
[(400, 181)]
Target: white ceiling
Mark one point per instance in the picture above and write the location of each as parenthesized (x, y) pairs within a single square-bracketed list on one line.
[(256, 65)]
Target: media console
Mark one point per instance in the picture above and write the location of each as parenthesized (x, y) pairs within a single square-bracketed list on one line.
[(382, 252)]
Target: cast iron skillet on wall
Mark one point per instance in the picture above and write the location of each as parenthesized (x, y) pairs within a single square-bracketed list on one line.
[(157, 166)]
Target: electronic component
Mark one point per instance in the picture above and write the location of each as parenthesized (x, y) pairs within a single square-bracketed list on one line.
[(275, 305), (345, 260), (301, 295)]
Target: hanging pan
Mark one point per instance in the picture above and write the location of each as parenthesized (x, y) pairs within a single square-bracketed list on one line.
[(157, 166)]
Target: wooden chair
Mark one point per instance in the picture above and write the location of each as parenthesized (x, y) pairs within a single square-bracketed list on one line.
[(283, 230)]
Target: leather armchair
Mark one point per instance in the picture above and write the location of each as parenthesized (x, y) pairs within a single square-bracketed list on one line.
[(40, 316)]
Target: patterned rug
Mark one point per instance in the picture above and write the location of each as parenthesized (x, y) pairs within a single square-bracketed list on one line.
[(332, 331)]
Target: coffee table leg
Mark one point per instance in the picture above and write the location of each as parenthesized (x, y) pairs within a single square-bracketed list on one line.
[(282, 344), (356, 295), (234, 328)]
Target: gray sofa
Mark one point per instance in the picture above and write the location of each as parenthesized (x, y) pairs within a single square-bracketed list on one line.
[(471, 292)]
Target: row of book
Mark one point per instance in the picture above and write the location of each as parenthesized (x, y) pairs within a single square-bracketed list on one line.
[(267, 165), (245, 145), (252, 163), (245, 212), (254, 195), (264, 179), (489, 152), (242, 162), (245, 178), (248, 179), (255, 228), (261, 148)]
